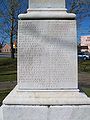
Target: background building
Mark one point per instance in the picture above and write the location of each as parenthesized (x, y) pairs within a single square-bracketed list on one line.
[(85, 43), (6, 48)]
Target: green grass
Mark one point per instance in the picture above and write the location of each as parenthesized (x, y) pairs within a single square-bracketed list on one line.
[(84, 66), (7, 69), (5, 78), (8, 72), (86, 90)]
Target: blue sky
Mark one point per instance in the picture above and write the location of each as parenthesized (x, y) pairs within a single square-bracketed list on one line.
[(84, 28)]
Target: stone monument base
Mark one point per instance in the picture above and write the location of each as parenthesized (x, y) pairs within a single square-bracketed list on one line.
[(26, 112), (46, 97), (46, 105)]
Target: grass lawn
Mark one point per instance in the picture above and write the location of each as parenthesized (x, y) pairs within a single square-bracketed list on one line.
[(7, 69), (84, 66), (86, 90), (8, 73), (84, 74)]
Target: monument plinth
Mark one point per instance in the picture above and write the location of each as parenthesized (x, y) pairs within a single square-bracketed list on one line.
[(47, 86)]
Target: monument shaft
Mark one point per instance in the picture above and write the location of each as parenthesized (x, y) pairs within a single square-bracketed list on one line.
[(46, 4)]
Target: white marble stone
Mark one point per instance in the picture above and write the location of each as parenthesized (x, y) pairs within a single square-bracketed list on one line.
[(69, 112), (24, 112), (47, 14), (1, 114), (46, 3), (47, 9), (47, 55), (67, 97), (20, 112)]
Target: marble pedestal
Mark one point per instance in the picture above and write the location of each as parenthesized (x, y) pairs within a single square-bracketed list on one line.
[(47, 87), (46, 105)]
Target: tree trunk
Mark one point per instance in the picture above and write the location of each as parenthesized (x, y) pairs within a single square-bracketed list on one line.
[(12, 50), (11, 38)]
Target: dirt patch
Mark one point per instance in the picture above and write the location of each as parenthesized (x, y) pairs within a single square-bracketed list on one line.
[(84, 79), (7, 85)]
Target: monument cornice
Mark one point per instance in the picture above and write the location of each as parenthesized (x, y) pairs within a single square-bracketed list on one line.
[(47, 14)]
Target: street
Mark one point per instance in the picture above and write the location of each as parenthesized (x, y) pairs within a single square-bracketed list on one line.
[(6, 55)]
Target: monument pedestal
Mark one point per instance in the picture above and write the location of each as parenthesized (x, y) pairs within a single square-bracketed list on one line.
[(47, 86), (43, 105)]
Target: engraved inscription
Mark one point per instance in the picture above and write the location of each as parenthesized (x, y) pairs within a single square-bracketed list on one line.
[(47, 54)]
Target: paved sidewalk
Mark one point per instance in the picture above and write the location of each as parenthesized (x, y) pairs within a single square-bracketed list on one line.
[(7, 85)]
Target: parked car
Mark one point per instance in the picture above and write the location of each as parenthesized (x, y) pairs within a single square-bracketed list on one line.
[(83, 56)]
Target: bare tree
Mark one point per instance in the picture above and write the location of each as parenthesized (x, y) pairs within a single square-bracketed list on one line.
[(79, 7), (9, 18), (82, 10)]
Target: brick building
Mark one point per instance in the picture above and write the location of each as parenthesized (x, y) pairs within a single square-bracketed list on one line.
[(6, 48), (85, 43)]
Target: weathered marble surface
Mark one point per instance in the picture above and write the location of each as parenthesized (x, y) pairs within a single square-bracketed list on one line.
[(47, 55), (63, 97), (46, 112), (46, 3), (1, 114)]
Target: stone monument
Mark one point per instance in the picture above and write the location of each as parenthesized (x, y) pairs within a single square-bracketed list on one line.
[(47, 86)]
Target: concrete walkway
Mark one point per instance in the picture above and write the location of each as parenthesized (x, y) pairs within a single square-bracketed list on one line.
[(7, 85)]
